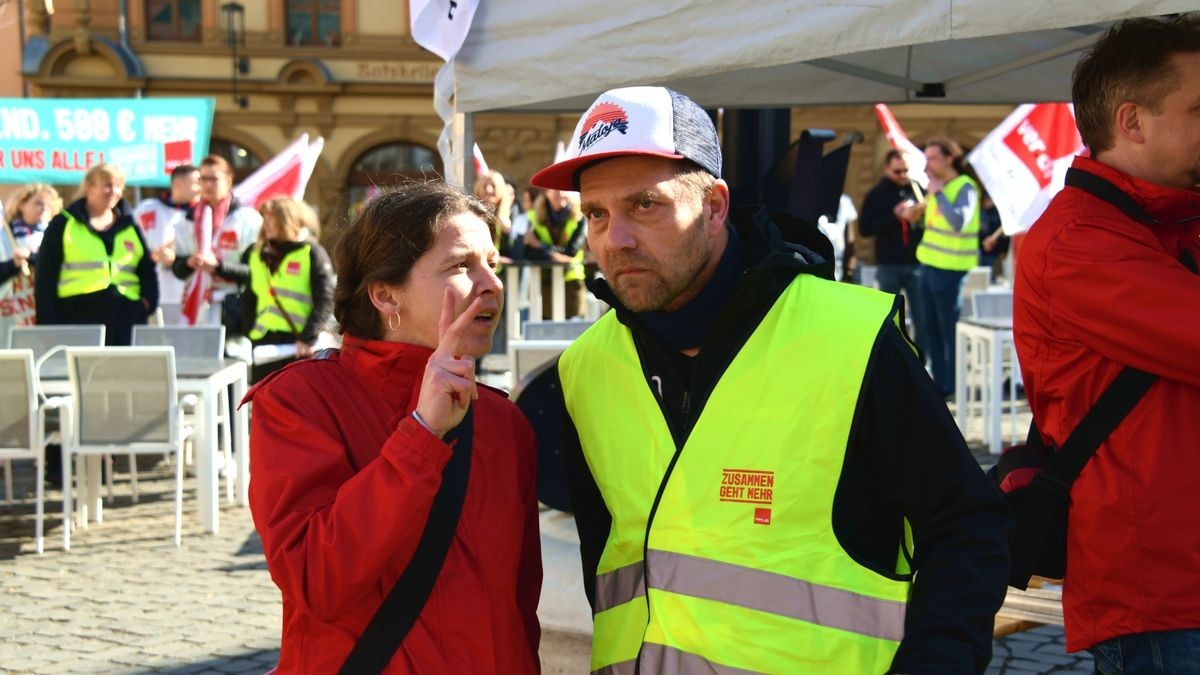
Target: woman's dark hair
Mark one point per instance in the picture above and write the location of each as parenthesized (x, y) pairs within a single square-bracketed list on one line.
[(950, 148), (387, 238)]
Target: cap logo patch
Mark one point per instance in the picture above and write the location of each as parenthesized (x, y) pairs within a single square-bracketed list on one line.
[(602, 121)]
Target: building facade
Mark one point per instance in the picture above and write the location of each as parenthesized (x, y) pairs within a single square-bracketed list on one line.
[(347, 70)]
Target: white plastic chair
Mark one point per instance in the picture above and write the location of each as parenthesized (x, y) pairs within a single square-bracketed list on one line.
[(23, 425), (992, 304), (43, 339), (124, 401), (197, 347), (169, 314), (554, 330), (977, 279)]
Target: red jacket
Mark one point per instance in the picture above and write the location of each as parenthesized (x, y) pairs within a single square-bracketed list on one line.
[(342, 485), (1095, 292)]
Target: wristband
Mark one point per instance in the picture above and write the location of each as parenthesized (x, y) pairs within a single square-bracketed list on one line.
[(419, 420)]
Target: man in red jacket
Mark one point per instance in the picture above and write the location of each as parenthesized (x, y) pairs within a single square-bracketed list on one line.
[(1100, 288)]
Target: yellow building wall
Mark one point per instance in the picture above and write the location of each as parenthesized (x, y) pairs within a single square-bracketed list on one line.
[(10, 51)]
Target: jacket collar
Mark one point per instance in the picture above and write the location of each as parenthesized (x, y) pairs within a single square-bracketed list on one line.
[(394, 369), (122, 215), (1164, 204)]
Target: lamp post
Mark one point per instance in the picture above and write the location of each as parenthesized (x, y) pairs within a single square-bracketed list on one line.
[(235, 35)]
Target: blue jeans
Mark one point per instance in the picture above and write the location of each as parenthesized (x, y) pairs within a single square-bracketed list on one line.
[(1161, 653), (941, 301), (892, 278)]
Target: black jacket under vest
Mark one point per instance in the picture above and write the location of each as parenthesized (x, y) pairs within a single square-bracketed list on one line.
[(906, 458)]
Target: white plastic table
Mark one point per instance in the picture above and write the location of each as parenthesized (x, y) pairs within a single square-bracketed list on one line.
[(204, 378), (980, 350)]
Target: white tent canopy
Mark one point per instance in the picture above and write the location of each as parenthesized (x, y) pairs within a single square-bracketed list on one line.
[(558, 55)]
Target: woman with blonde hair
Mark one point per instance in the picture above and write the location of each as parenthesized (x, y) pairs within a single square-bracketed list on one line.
[(94, 265), (558, 233), (492, 190), (29, 213), (289, 292)]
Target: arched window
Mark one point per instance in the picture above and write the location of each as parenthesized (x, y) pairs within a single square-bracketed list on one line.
[(243, 160), (385, 165)]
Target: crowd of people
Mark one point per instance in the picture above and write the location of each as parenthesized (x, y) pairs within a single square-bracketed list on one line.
[(763, 471)]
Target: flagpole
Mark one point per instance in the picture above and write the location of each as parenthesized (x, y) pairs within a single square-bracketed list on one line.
[(12, 240)]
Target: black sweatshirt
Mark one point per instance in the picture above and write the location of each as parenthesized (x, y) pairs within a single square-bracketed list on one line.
[(906, 458), (877, 219), (118, 313), (322, 294)]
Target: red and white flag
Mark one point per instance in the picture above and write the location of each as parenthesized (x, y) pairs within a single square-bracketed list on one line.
[(197, 293), (285, 174), (1022, 163), (913, 157), (481, 166)]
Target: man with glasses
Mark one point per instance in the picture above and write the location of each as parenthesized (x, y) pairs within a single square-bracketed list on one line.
[(209, 244), (896, 239)]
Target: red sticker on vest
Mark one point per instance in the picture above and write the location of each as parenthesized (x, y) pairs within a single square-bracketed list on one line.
[(293, 267), (128, 245), (762, 516), (228, 240), (148, 220)]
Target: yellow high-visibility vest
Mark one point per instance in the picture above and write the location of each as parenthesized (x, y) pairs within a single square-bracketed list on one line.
[(291, 285), (944, 247), (88, 268), (574, 271), (739, 566)]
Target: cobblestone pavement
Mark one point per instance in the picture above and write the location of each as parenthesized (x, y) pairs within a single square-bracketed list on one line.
[(126, 600)]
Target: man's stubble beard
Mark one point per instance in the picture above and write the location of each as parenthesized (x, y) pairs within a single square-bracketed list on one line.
[(663, 286)]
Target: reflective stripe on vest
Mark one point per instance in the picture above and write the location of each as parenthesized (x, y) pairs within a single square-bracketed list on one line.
[(743, 570), (944, 247), (291, 285), (87, 266), (574, 271)]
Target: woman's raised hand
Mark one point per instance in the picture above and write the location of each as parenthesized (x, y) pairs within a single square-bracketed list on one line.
[(449, 383)]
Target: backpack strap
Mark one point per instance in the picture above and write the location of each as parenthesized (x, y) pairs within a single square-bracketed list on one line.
[(396, 616), (1113, 406)]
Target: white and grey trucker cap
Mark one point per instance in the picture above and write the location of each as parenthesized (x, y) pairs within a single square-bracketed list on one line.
[(651, 121)]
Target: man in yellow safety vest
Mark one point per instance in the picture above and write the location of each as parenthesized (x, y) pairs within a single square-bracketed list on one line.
[(757, 461)]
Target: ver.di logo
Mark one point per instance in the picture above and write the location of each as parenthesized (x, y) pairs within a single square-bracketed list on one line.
[(602, 121)]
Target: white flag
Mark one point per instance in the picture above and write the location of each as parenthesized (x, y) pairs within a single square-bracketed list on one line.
[(1022, 163), (441, 25)]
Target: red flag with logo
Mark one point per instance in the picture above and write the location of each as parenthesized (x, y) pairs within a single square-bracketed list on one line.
[(1022, 163)]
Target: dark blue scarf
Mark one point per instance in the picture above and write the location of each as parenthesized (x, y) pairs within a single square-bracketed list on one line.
[(685, 327)]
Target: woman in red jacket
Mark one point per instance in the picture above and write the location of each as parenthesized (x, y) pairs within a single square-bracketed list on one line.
[(348, 453)]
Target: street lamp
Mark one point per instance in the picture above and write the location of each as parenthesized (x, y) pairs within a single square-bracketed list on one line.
[(235, 35)]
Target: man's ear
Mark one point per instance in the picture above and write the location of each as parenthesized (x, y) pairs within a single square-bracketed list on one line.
[(386, 298), (1129, 122), (718, 205)]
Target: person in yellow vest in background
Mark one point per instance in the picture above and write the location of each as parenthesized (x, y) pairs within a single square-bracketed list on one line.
[(289, 296), (94, 265), (763, 476), (558, 232), (948, 250)]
